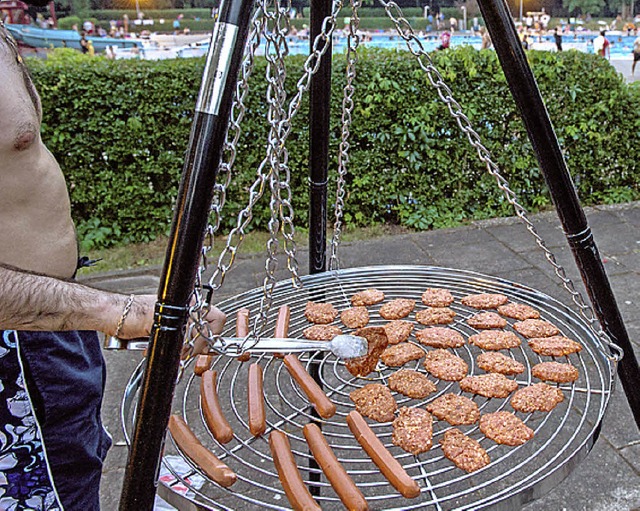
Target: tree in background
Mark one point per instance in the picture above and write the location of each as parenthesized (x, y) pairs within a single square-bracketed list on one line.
[(583, 6)]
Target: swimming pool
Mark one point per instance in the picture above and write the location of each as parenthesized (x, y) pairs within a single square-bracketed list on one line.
[(621, 45)]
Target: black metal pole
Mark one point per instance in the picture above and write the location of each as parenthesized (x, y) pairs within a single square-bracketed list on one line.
[(319, 109), (183, 253), (319, 100), (563, 192)]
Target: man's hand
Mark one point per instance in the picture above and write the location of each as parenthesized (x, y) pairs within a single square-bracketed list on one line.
[(139, 321)]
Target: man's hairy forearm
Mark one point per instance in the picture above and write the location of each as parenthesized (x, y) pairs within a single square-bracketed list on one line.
[(30, 301)]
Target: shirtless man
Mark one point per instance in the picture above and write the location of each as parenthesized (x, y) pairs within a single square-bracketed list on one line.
[(52, 373)]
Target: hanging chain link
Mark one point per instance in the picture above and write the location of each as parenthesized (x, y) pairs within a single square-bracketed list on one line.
[(276, 49), (199, 326), (274, 159), (425, 62), (353, 41)]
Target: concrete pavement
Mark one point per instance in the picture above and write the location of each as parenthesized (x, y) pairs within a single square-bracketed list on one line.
[(609, 479)]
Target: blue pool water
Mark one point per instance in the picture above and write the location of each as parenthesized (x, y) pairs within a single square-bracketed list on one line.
[(621, 46)]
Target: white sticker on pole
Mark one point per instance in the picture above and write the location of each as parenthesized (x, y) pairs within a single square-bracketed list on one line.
[(216, 69)]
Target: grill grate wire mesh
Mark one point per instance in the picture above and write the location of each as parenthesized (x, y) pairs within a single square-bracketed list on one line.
[(516, 474)]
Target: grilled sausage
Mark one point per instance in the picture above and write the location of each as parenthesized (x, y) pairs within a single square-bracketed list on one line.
[(343, 485), (383, 459), (292, 483), (203, 363), (310, 387), (257, 417), (282, 325), (213, 415), (199, 454), (242, 329)]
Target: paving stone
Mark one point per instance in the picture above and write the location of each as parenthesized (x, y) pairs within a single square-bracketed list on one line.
[(618, 426), (519, 239), (632, 455), (401, 250), (602, 482)]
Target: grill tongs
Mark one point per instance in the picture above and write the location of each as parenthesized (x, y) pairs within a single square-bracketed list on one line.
[(342, 346)]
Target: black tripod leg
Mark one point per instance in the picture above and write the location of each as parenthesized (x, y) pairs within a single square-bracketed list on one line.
[(182, 259), (563, 192)]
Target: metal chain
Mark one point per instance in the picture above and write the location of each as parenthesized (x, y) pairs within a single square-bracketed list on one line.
[(256, 191), (199, 310), (414, 45), (275, 51), (238, 111), (347, 109), (225, 259)]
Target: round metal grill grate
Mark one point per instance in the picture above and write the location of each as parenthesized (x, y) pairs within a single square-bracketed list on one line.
[(516, 474)]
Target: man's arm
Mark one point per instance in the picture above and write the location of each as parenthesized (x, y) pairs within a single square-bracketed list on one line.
[(30, 301)]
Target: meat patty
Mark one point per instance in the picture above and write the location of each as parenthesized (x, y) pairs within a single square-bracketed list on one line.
[(411, 384), (555, 372), (355, 317), (413, 430), (444, 365), (397, 309), (437, 297), (398, 330), (538, 397), (554, 346), (369, 296), (535, 328), (399, 354), (375, 401), (455, 409), (377, 339), (484, 300), (489, 385), (505, 428), (486, 320), (465, 452), (494, 362), (435, 316), (321, 332), (495, 340), (439, 337), (320, 313), (518, 311)]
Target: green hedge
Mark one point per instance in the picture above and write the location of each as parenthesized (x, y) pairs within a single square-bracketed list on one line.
[(119, 130)]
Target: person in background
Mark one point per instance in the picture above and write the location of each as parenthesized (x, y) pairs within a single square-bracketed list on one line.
[(84, 44), (486, 38), (557, 37), (91, 51), (601, 45), (52, 372), (636, 53), (445, 40)]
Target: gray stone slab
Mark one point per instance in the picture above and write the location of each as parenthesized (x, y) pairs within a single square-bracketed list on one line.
[(618, 426), (111, 487), (626, 288), (630, 261), (615, 239), (630, 214), (399, 250), (519, 239), (632, 455), (602, 482), (488, 257)]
